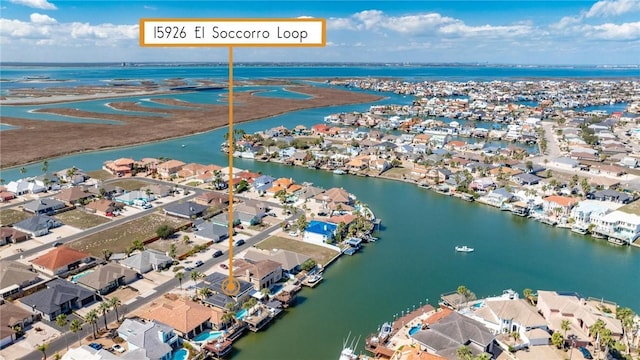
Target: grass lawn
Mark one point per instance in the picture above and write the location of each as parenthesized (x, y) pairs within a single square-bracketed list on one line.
[(100, 175), (396, 173), (632, 208), (130, 184), (11, 216), (119, 238), (320, 254), (80, 219)]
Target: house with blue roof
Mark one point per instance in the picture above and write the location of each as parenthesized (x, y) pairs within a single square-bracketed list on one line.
[(319, 232), (262, 183)]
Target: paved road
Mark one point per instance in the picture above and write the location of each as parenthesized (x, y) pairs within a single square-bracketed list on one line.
[(60, 343)]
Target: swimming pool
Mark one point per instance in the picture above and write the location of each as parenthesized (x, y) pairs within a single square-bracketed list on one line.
[(74, 278), (181, 354), (415, 329), (208, 336), (241, 314)]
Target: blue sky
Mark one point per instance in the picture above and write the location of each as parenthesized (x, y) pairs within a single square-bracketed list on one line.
[(508, 32)]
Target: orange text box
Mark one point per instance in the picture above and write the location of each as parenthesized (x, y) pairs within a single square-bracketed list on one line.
[(233, 32)]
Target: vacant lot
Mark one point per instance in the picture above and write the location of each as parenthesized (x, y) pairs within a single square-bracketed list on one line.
[(320, 254), (80, 219), (11, 216), (130, 184), (396, 173), (633, 208), (119, 238), (100, 175)]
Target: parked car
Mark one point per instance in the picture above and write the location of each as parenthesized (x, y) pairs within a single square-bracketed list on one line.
[(238, 243), (217, 253), (188, 268), (224, 266), (95, 346), (272, 214), (293, 233), (199, 263), (118, 348), (56, 244), (585, 353)]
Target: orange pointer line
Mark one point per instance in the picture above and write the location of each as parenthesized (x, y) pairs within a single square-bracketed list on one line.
[(230, 164)]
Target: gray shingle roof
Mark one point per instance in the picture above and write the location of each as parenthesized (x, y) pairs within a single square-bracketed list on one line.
[(453, 331), (37, 223), (145, 335), (58, 292), (186, 209)]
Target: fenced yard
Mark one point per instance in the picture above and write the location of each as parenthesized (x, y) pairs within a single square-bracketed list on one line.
[(119, 238)]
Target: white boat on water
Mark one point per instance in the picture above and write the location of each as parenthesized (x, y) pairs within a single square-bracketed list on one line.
[(338, 172), (349, 350), (464, 248)]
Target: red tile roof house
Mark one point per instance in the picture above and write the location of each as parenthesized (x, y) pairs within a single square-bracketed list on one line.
[(6, 196), (169, 168), (190, 171), (558, 205), (62, 260), (119, 167)]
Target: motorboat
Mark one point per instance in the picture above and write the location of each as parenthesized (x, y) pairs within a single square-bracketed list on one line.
[(464, 248)]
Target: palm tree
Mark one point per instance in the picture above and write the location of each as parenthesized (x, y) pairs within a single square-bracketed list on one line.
[(75, 327), (195, 276), (61, 320), (464, 353), (528, 293), (92, 318), (516, 336), (23, 170), (43, 348), (45, 166), (179, 275), (115, 302), (626, 316), (204, 292), (104, 307), (565, 325)]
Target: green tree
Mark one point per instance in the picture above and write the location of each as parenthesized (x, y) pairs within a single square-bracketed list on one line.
[(45, 166), (115, 302), (23, 170), (195, 276), (464, 353), (483, 356), (43, 349), (626, 316), (557, 340), (179, 275), (467, 294), (516, 336), (92, 319), (302, 223), (104, 307), (186, 239), (164, 231), (242, 186), (76, 327), (61, 320), (528, 294), (565, 325), (204, 292), (106, 253), (173, 248), (137, 245), (308, 265)]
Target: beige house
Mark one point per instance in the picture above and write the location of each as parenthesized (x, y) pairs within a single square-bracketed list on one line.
[(261, 274)]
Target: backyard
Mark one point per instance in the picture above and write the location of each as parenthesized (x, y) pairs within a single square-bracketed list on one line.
[(80, 219), (10, 216), (130, 184), (119, 238), (320, 254)]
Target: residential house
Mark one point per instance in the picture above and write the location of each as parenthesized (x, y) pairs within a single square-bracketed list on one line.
[(611, 195), (565, 163), (212, 198), (186, 317), (249, 215), (452, 331), (190, 171), (13, 317), (107, 278), (59, 297), (61, 260), (151, 340), (147, 260), (104, 206), (556, 307), (169, 168), (159, 190), (38, 225), (46, 206), (10, 235), (74, 195), (262, 183), (588, 212), (119, 167), (6, 196), (319, 232), (16, 278), (135, 197), (559, 206), (505, 316), (85, 352), (186, 210), (21, 187), (262, 273), (498, 197), (482, 184), (618, 225), (215, 282), (211, 231), (290, 261), (526, 179), (334, 195)]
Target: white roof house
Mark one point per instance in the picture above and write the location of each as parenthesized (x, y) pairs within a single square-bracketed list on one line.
[(619, 225)]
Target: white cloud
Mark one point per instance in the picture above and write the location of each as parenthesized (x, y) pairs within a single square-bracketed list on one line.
[(37, 4), (626, 31), (42, 19), (44, 30), (613, 8)]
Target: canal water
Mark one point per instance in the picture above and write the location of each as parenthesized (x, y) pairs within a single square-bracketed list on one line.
[(413, 262)]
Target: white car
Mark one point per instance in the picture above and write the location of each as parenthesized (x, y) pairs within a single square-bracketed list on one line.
[(293, 233), (118, 348)]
